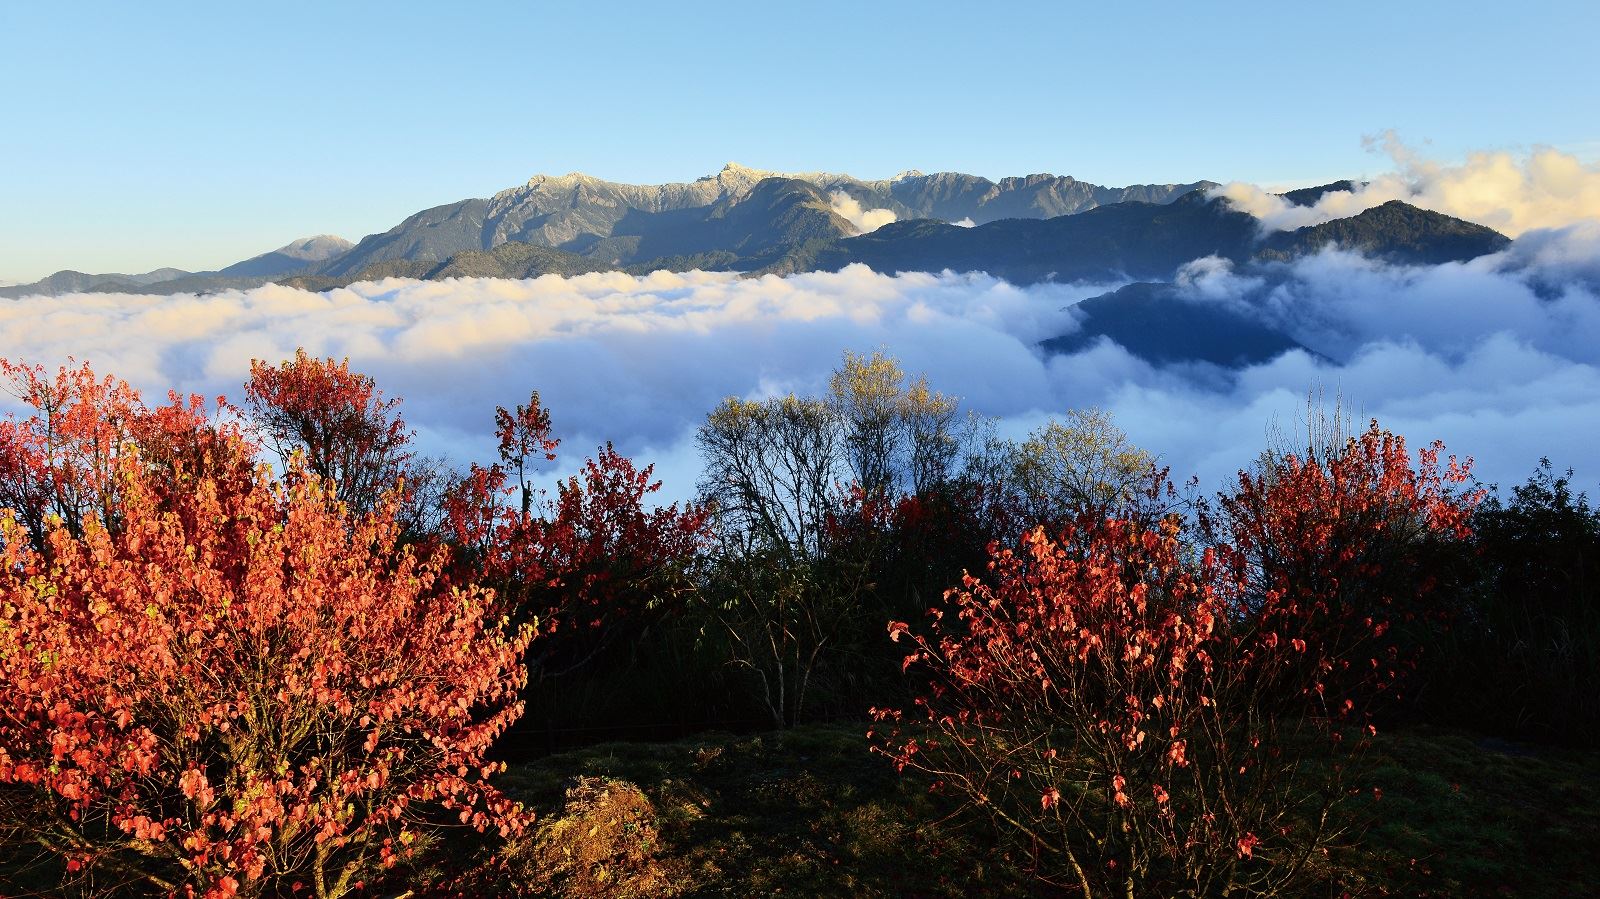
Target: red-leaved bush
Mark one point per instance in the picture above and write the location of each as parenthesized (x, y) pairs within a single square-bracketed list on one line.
[(1338, 555), (350, 436), (589, 565), (1088, 696), (58, 463), (225, 684), (1137, 709)]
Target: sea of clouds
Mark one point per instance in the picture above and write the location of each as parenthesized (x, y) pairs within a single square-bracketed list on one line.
[(1499, 357)]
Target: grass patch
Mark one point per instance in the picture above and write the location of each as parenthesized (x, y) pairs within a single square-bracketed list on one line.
[(1461, 815), (810, 812), (806, 812)]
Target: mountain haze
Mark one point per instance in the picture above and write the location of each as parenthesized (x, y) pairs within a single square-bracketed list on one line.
[(253, 272), (77, 282)]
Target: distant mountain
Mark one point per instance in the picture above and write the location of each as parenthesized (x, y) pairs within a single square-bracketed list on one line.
[(1035, 228), (1395, 232), (292, 257), (1142, 241), (77, 282), (509, 260), (1168, 323), (776, 214), (253, 272), (195, 282), (624, 224), (1125, 240), (954, 197), (1308, 196), (1157, 323)]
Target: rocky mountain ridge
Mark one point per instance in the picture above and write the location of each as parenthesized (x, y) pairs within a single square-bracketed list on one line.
[(1025, 229)]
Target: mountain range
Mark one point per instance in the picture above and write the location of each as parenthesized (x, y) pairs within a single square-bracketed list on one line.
[(253, 272), (716, 221), (1142, 241), (1025, 230)]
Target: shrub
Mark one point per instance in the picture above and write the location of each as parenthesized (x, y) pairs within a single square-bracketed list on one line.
[(1137, 709), (1089, 695), (1341, 552), (350, 436), (58, 464), (243, 687), (593, 565)]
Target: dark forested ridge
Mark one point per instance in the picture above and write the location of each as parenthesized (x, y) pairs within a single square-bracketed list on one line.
[(1143, 241), (1158, 323)]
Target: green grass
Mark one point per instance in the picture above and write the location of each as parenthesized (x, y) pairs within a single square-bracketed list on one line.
[(1461, 815)]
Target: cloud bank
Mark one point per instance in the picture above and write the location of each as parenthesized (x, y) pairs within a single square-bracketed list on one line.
[(1499, 357), (1512, 194), (865, 220)]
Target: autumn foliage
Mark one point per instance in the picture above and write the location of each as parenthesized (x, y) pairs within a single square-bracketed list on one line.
[(1087, 695), (349, 434), (1134, 705), (59, 465), (220, 683), (228, 678), (1338, 554), (589, 565)]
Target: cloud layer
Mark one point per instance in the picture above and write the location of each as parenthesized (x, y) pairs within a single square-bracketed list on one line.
[(850, 209), (1499, 357), (1512, 194)]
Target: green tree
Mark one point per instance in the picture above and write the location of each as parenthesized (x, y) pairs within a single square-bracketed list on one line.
[(1083, 463)]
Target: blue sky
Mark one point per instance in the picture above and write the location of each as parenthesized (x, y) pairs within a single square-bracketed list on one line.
[(136, 135)]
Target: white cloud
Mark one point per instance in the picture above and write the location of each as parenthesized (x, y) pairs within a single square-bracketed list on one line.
[(964, 223), (1500, 357), (639, 360), (865, 220), (1511, 193), (1214, 278)]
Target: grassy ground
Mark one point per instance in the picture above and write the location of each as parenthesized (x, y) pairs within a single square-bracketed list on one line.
[(810, 812), (1461, 815), (807, 812)]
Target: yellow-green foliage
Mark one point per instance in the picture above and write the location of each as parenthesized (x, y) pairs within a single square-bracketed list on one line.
[(1083, 461)]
